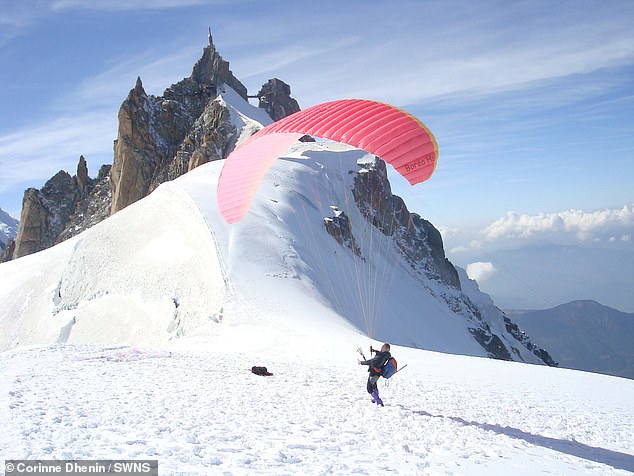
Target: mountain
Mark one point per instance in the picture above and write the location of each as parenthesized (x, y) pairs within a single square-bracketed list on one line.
[(159, 138), (177, 307), (200, 120), (168, 266), (8, 229), (583, 335), (135, 337)]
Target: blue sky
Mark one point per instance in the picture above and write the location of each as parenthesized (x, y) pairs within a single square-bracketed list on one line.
[(532, 104)]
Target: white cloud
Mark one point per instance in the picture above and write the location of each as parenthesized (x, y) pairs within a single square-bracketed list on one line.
[(500, 59), (85, 121), (480, 271), (34, 154), (575, 225)]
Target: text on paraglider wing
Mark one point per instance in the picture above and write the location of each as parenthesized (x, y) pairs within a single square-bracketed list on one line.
[(422, 162)]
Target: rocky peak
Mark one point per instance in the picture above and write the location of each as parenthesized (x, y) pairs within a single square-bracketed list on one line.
[(161, 137), (138, 90), (137, 148), (83, 181), (93, 207), (275, 98), (54, 213), (45, 213), (158, 139), (417, 238), (212, 71)]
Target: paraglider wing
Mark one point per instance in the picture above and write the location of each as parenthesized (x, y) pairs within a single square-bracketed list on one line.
[(383, 130), (243, 170)]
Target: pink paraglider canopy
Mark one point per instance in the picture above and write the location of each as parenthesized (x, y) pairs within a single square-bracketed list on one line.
[(383, 130)]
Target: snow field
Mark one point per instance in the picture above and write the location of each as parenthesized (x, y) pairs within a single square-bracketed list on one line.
[(206, 413)]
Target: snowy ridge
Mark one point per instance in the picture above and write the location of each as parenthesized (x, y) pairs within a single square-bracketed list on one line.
[(247, 119)]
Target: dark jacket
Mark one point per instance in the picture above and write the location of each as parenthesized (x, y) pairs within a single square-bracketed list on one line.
[(377, 362)]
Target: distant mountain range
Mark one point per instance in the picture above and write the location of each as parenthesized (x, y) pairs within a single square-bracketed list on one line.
[(583, 335)]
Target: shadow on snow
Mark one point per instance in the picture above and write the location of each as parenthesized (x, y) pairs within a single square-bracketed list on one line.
[(615, 459)]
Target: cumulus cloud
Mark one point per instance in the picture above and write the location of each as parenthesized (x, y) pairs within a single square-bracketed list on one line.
[(602, 225), (479, 271)]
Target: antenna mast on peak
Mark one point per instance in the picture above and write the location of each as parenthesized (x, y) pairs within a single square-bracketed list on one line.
[(209, 38)]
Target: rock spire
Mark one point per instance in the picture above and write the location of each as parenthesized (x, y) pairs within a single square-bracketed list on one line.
[(159, 138)]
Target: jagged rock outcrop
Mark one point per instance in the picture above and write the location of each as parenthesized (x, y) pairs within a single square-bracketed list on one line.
[(8, 232), (159, 139), (513, 329), (93, 207), (417, 238), (8, 250), (83, 181), (64, 207), (275, 98), (338, 226), (139, 147), (45, 213), (212, 71), (212, 137), (157, 136), (421, 245), (48, 211)]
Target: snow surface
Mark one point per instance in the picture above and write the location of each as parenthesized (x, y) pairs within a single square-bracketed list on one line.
[(247, 118), (134, 340), (202, 412)]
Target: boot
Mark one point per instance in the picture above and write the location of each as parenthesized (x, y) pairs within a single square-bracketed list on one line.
[(376, 399), (375, 394)]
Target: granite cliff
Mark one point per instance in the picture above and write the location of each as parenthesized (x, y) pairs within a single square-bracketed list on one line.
[(159, 138)]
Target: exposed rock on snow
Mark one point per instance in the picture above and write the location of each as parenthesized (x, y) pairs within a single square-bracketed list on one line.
[(338, 226), (417, 238)]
